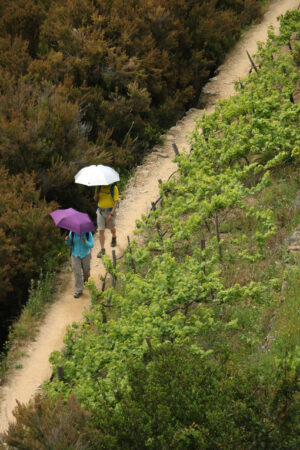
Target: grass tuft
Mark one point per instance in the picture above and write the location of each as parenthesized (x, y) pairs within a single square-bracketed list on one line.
[(23, 331)]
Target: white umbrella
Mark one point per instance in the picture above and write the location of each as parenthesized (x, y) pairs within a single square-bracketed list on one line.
[(97, 175)]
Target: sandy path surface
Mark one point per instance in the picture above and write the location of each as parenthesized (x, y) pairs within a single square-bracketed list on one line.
[(140, 192)]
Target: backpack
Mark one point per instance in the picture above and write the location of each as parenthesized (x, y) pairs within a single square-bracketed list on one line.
[(112, 187)]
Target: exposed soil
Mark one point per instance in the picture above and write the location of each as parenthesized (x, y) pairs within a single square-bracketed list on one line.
[(136, 200)]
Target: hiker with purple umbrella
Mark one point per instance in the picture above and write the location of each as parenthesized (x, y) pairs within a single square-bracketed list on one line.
[(80, 239), (81, 245)]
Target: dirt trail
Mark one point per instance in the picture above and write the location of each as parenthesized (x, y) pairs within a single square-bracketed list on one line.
[(140, 192)]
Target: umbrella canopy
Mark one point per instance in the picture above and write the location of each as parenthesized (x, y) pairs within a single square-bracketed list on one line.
[(73, 220), (97, 175)]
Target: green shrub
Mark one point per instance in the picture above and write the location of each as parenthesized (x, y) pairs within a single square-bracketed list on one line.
[(173, 401)]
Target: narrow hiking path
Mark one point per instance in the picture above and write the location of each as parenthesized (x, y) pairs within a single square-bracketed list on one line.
[(136, 200)]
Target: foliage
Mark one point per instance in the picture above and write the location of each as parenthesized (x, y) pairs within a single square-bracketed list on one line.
[(41, 294), (199, 350), (117, 68), (40, 133), (194, 354), (175, 401), (178, 401), (86, 82), (27, 232), (45, 424)]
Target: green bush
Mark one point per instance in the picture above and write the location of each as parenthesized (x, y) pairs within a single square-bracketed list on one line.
[(173, 401)]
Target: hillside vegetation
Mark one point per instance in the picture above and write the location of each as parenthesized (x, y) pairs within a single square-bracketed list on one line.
[(197, 346), (85, 82)]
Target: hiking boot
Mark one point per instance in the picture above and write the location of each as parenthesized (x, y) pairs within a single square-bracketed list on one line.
[(113, 242), (77, 294), (101, 253)]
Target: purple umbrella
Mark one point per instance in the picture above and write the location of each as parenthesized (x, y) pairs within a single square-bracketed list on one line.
[(73, 220)]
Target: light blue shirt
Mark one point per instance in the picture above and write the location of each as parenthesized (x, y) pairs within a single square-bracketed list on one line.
[(79, 248)]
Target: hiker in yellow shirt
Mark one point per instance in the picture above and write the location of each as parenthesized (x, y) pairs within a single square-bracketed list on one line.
[(107, 198)]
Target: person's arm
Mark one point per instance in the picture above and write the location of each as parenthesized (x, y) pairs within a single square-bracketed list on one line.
[(96, 196), (68, 239), (116, 201), (114, 207), (113, 210), (90, 241)]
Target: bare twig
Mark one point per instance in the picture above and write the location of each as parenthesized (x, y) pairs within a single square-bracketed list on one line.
[(184, 307), (127, 134), (130, 251), (60, 373), (149, 345), (114, 278), (218, 233), (252, 62), (104, 282), (175, 148)]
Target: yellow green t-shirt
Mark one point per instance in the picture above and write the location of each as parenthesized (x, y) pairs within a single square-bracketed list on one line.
[(105, 199)]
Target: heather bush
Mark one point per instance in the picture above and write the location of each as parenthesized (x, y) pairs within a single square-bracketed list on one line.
[(44, 424), (27, 234)]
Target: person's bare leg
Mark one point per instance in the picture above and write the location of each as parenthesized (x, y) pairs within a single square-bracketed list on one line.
[(114, 237), (102, 238), (102, 243)]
